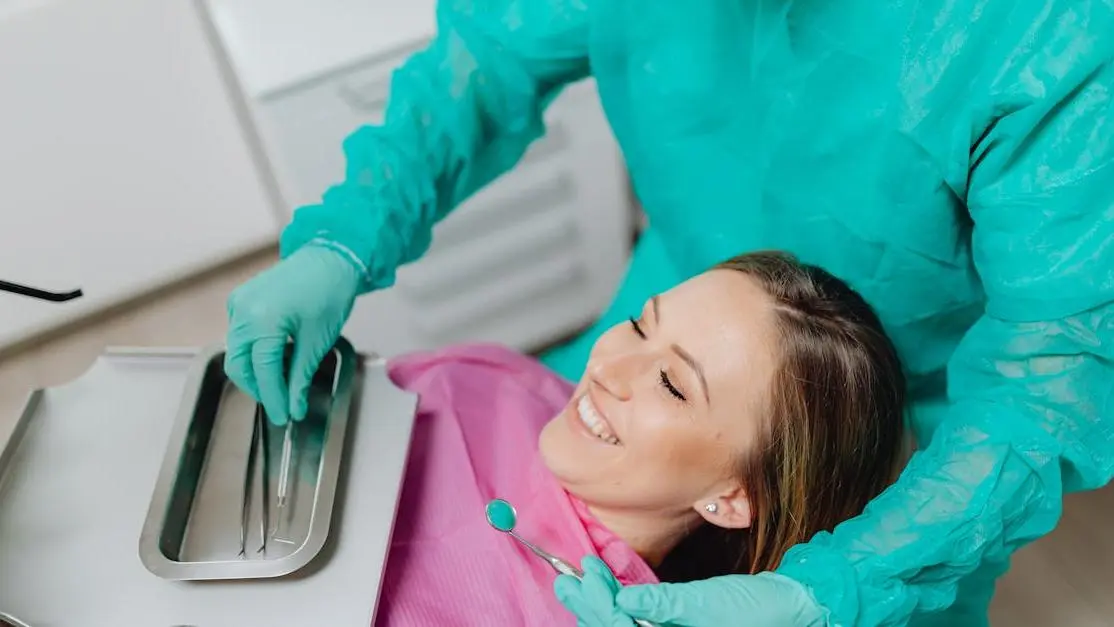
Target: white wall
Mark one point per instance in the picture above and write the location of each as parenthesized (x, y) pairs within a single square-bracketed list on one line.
[(125, 161)]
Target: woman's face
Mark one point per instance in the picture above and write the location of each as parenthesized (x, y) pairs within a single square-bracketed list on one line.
[(669, 403)]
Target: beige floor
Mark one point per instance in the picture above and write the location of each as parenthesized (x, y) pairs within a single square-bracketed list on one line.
[(1066, 579)]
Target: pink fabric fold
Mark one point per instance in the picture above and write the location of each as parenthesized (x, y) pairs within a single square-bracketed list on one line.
[(480, 410)]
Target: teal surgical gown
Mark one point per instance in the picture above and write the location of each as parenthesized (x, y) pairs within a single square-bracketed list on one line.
[(952, 159)]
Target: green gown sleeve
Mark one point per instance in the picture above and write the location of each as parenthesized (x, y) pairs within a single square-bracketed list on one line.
[(1031, 386), (460, 113)]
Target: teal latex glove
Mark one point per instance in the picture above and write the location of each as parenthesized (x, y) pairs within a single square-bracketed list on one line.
[(306, 297), (592, 599), (763, 600)]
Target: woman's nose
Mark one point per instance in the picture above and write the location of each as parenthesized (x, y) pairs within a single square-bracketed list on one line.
[(616, 374)]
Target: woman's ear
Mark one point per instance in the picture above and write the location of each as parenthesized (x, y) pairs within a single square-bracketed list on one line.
[(730, 510)]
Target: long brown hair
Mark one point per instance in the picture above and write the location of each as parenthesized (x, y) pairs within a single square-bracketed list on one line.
[(834, 431)]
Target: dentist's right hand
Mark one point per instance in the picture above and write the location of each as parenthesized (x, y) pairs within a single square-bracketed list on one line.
[(307, 297)]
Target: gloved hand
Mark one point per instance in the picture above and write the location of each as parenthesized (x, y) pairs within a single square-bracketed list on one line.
[(308, 297), (593, 598), (763, 600)]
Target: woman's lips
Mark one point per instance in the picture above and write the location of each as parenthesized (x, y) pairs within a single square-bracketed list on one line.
[(592, 423)]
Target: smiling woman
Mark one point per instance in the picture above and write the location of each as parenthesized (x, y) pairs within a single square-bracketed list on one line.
[(739, 413), (744, 411)]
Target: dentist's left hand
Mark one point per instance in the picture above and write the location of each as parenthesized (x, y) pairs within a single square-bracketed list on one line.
[(593, 598)]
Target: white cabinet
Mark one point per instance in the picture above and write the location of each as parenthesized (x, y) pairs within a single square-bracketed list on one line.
[(526, 261), (125, 158)]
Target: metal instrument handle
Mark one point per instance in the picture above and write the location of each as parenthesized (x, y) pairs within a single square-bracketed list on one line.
[(34, 292), (7, 620)]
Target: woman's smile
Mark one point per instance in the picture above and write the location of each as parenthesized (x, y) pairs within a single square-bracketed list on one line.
[(590, 421)]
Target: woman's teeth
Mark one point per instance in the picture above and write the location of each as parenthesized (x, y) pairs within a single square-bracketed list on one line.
[(591, 419)]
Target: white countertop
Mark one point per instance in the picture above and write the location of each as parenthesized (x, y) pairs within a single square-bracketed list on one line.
[(278, 43)]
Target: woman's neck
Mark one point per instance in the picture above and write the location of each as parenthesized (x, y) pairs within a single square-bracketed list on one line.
[(651, 534)]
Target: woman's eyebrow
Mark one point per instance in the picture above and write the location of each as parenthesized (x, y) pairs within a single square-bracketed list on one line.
[(683, 354), (695, 365)]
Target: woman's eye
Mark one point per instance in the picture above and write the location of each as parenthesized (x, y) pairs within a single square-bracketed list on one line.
[(637, 328), (667, 384)]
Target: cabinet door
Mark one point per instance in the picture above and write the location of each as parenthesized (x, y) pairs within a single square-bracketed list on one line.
[(126, 159), (531, 258)]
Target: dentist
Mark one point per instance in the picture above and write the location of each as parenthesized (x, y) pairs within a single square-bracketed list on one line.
[(952, 159)]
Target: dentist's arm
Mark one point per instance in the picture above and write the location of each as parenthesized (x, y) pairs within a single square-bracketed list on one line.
[(460, 113), (1031, 411)]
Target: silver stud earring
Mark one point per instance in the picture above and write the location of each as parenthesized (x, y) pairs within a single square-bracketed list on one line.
[(711, 508)]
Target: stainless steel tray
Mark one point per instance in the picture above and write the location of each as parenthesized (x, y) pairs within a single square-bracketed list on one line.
[(193, 526), (76, 480)]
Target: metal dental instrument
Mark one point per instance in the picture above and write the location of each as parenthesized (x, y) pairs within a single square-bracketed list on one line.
[(502, 516), (561, 566), (34, 292), (249, 477), (284, 467), (7, 620), (265, 478)]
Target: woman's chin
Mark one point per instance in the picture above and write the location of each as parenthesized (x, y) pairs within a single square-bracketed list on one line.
[(552, 450), (563, 450)]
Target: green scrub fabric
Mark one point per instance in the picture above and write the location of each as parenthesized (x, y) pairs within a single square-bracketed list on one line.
[(952, 159)]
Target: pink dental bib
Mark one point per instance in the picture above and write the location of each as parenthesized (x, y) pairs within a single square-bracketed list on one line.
[(480, 411)]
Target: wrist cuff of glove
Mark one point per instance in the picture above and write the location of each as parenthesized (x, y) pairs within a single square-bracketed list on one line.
[(340, 249), (344, 251), (293, 241), (355, 220), (828, 578)]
